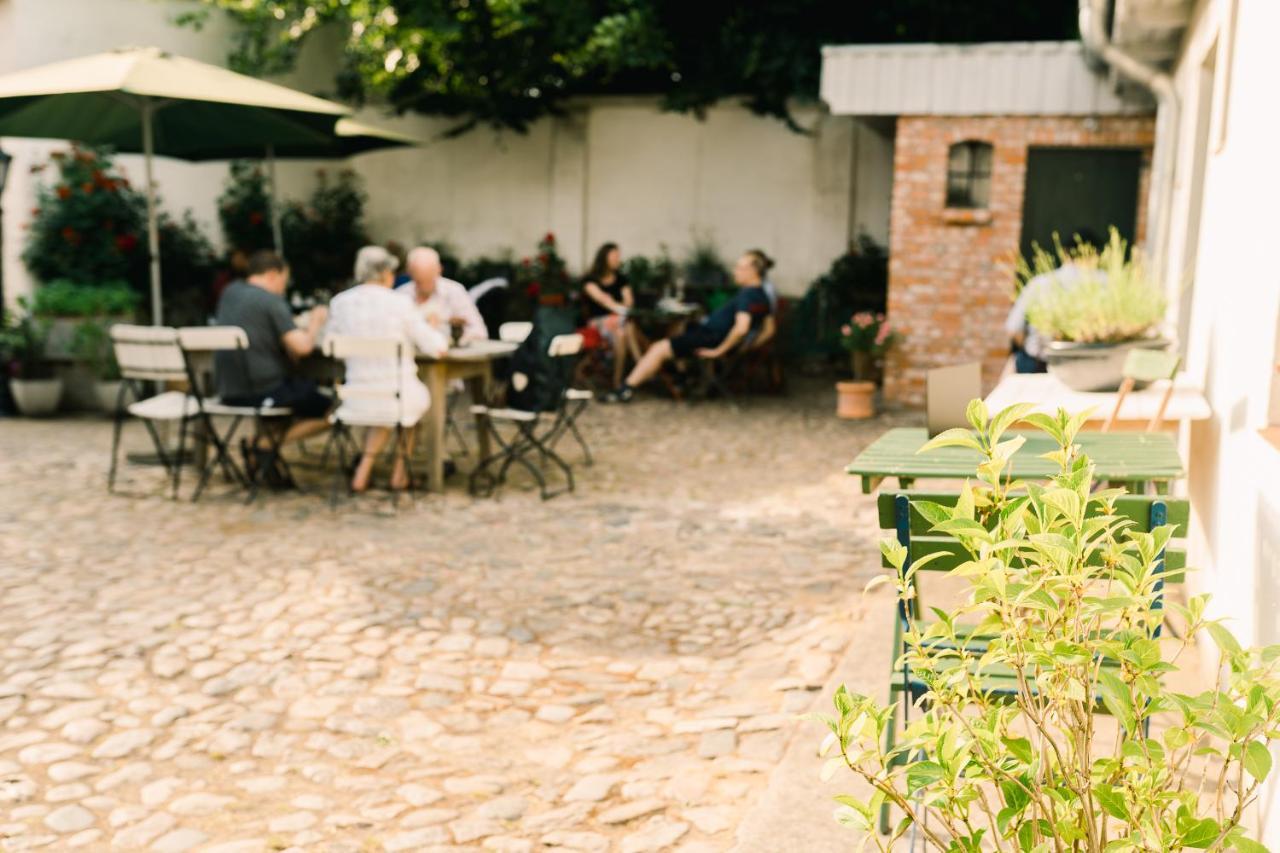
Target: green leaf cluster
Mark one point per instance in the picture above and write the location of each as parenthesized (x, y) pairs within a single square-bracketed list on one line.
[(507, 63), (1058, 730), (1116, 300)]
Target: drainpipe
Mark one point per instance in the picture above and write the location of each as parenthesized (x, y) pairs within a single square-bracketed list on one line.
[(1093, 34)]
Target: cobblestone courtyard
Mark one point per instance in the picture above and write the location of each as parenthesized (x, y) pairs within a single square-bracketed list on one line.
[(617, 669)]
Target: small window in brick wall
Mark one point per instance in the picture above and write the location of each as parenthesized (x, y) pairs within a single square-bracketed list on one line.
[(969, 174)]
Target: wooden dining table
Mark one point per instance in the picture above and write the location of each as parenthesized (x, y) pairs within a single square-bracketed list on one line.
[(471, 363)]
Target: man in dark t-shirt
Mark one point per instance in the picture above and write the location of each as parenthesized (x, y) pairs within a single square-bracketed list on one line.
[(715, 336), (262, 374)]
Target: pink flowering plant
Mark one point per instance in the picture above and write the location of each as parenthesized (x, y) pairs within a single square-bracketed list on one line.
[(869, 333)]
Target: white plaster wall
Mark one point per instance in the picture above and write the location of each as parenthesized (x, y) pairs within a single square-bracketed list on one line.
[(1234, 481), (622, 170), (733, 179), (872, 179)]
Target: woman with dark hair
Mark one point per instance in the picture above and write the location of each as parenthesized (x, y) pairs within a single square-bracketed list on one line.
[(726, 328), (609, 298)]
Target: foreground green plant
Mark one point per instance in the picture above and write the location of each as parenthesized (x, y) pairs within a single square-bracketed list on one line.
[(68, 299), (1069, 595), (1116, 300)]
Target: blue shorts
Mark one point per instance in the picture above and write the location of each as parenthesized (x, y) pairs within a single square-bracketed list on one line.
[(694, 338)]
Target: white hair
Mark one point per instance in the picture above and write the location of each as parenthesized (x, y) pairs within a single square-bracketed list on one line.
[(424, 254), (372, 262)]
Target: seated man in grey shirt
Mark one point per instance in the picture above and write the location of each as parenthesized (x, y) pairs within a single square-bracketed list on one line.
[(261, 375)]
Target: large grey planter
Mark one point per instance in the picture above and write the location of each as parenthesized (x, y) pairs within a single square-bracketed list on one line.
[(1094, 367), (79, 380), (36, 398), (108, 393)]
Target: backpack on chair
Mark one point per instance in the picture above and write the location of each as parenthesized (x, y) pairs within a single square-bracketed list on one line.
[(538, 380)]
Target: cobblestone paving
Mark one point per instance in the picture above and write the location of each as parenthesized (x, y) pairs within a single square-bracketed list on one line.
[(612, 670)]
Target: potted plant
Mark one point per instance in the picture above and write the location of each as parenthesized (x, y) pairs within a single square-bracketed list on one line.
[(77, 317), (322, 235), (545, 277), (1064, 597), (866, 337), (67, 305), (35, 389), (1095, 317), (704, 270), (92, 347)]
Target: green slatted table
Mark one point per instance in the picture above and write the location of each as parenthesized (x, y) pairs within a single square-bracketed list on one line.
[(1128, 458)]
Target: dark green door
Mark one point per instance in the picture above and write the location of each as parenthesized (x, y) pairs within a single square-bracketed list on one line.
[(1073, 188)]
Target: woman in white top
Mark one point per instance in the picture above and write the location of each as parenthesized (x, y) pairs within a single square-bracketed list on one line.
[(373, 310)]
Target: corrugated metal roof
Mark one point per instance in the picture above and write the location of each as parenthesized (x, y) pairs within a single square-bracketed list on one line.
[(999, 78)]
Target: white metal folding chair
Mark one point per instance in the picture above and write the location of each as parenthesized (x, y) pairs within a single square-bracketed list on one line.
[(150, 355), (387, 409), (198, 343), (573, 401), (514, 332), (526, 438)]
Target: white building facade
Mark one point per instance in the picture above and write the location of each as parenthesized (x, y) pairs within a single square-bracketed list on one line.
[(1221, 134)]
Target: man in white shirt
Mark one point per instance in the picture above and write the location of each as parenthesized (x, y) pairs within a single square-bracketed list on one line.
[(441, 301)]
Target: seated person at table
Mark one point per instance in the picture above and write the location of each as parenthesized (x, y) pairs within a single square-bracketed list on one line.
[(608, 297), (715, 336), (371, 309), (262, 374), (441, 301)]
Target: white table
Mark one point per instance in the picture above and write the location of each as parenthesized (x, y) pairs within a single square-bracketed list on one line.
[(1048, 395)]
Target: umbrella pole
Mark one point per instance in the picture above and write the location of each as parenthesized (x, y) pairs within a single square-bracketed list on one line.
[(153, 230), (276, 232)]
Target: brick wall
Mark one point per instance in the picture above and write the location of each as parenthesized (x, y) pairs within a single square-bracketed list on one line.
[(950, 276)]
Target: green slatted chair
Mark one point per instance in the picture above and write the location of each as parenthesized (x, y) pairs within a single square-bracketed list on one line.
[(898, 513)]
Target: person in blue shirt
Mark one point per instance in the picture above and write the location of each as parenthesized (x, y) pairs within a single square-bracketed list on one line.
[(718, 334)]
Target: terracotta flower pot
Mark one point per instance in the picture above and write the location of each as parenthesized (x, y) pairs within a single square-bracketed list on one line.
[(855, 400)]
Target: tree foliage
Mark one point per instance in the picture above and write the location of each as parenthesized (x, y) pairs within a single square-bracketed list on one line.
[(505, 63)]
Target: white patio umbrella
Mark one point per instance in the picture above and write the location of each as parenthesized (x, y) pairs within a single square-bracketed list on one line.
[(145, 100)]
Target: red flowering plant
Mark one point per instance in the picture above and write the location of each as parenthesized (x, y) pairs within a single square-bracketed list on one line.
[(244, 208), (88, 236), (89, 226), (544, 274)]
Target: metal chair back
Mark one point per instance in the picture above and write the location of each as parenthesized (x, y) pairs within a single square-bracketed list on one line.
[(514, 332), (212, 338), (345, 347), (148, 353), (563, 346), (1146, 365)]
